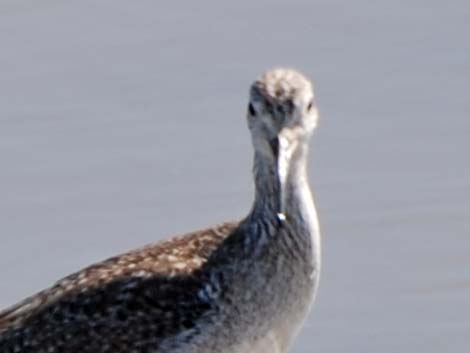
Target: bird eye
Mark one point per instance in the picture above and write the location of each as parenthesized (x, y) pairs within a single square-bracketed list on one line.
[(251, 109), (310, 105)]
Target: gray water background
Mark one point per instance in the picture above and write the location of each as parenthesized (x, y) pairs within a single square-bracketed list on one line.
[(122, 122)]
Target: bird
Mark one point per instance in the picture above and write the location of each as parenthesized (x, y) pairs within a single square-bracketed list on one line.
[(241, 286)]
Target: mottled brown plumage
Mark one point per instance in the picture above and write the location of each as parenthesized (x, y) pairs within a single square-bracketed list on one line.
[(238, 287), (178, 256)]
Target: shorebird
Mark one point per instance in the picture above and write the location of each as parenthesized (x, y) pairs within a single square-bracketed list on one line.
[(238, 287)]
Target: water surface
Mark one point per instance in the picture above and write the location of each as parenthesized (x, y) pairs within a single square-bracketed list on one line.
[(123, 122)]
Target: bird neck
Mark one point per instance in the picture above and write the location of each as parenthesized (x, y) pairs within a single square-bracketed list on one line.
[(281, 185), (284, 206)]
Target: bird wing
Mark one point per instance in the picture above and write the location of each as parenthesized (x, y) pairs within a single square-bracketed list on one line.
[(160, 262)]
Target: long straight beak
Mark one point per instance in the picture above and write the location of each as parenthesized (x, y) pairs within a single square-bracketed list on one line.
[(284, 153)]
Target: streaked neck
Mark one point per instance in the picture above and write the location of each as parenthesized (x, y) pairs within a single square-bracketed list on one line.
[(281, 184)]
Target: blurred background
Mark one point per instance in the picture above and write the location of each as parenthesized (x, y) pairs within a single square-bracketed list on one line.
[(123, 122)]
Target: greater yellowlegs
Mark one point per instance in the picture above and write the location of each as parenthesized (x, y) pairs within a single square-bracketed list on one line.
[(234, 288)]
